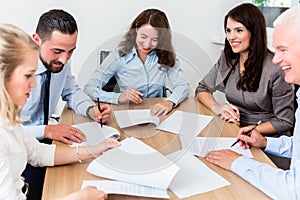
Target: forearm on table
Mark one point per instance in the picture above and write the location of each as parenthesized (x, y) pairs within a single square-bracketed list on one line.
[(66, 154), (207, 100), (266, 128)]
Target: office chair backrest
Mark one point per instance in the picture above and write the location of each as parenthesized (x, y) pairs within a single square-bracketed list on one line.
[(112, 84)]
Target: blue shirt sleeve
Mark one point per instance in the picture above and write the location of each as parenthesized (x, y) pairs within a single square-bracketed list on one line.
[(281, 146), (180, 87), (99, 79), (276, 183)]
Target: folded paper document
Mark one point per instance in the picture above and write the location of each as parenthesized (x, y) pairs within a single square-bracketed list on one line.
[(135, 162), (127, 118), (95, 134), (178, 122)]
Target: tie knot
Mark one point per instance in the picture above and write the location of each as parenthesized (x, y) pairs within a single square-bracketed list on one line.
[(47, 72)]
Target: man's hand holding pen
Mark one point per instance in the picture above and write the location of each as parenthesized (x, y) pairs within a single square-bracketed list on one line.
[(247, 137), (254, 138), (96, 115)]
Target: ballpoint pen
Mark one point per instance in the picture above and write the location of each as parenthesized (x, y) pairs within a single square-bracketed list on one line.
[(98, 102), (247, 133)]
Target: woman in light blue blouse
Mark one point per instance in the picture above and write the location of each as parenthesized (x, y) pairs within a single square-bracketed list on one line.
[(141, 65)]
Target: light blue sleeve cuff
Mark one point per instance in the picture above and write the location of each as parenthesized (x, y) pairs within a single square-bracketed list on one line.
[(281, 146), (173, 99), (115, 98), (272, 143), (241, 164)]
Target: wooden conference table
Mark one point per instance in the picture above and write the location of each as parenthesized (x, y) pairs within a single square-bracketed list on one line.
[(62, 180)]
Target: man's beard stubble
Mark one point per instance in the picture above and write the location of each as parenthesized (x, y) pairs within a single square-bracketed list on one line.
[(49, 66)]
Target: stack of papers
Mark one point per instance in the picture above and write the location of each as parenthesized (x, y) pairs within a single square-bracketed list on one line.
[(137, 163), (95, 134), (137, 169)]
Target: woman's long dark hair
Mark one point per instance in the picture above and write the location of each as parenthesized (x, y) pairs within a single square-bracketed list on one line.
[(252, 18), (159, 21)]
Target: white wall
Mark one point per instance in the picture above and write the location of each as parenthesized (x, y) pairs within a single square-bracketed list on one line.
[(101, 22)]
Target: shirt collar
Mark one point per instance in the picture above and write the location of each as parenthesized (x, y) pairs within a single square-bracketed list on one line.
[(131, 55), (41, 68)]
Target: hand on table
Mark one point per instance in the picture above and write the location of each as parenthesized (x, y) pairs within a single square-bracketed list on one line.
[(98, 149), (87, 193), (131, 95), (228, 112), (105, 113), (64, 133), (223, 158), (162, 108)]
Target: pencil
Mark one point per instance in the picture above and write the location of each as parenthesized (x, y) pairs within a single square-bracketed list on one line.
[(247, 133), (98, 102)]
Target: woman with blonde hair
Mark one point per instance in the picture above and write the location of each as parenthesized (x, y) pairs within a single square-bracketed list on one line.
[(18, 63)]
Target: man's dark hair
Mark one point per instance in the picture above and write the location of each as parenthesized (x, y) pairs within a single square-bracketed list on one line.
[(55, 20)]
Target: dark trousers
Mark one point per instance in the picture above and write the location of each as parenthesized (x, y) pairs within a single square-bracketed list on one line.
[(280, 162), (35, 177)]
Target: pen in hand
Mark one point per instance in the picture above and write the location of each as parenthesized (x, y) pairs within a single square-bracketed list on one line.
[(247, 132), (98, 102)]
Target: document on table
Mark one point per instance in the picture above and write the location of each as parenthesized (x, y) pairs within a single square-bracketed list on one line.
[(202, 145), (194, 177), (95, 134), (177, 123), (127, 118), (118, 187), (135, 162), (184, 122)]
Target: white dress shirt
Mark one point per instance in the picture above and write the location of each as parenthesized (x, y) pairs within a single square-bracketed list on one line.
[(16, 149)]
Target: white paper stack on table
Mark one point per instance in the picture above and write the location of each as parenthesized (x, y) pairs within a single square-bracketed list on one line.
[(137, 169), (136, 163), (95, 134)]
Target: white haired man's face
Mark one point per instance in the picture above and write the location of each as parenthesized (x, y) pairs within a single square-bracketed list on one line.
[(287, 55)]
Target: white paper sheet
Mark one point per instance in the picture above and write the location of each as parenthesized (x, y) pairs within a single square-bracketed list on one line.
[(194, 177), (202, 145), (177, 123), (118, 187), (135, 162), (95, 134), (184, 122), (127, 118)]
